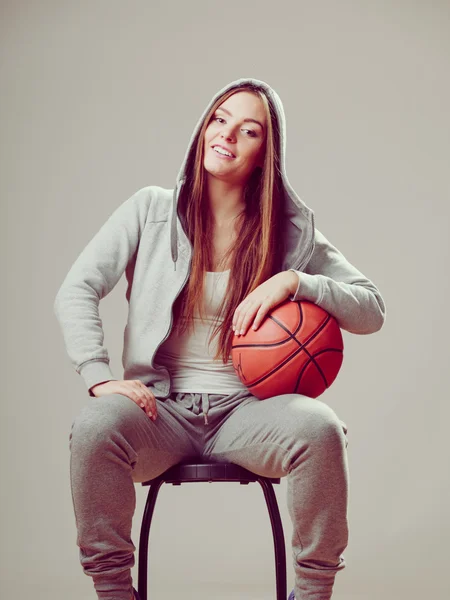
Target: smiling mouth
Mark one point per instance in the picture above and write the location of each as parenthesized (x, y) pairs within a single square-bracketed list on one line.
[(220, 155)]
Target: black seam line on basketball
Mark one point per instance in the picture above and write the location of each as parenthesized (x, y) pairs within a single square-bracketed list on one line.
[(290, 335), (239, 368), (277, 368), (300, 322), (288, 359), (313, 358), (293, 334)]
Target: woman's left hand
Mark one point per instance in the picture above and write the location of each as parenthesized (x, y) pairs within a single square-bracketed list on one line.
[(262, 300)]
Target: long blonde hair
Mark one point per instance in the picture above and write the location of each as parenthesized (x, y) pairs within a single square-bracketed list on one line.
[(258, 253)]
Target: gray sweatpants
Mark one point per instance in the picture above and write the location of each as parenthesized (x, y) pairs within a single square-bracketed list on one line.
[(114, 444)]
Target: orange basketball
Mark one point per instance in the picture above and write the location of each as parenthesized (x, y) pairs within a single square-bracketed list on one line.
[(298, 348)]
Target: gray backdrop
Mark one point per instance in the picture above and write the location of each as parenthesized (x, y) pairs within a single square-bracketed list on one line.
[(99, 99)]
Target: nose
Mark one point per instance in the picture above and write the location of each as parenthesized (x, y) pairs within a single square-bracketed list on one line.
[(227, 135)]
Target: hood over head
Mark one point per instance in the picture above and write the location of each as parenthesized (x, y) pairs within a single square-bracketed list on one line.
[(298, 229)]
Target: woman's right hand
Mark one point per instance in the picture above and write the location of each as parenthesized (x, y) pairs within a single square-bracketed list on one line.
[(133, 389)]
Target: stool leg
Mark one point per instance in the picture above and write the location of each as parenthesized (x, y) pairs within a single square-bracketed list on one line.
[(144, 537), (278, 537)]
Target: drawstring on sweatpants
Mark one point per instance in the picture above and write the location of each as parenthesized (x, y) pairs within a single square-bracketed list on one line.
[(205, 407), (196, 401)]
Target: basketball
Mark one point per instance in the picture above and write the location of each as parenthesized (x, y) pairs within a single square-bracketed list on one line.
[(298, 348)]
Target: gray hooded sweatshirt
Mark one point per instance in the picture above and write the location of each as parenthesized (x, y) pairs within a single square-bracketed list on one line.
[(145, 235)]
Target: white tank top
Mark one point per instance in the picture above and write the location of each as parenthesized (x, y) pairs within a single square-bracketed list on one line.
[(187, 356)]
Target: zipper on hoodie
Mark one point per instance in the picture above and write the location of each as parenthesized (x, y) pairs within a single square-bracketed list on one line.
[(170, 326)]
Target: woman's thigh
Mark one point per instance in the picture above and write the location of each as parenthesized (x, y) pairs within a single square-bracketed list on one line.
[(261, 435), (115, 422)]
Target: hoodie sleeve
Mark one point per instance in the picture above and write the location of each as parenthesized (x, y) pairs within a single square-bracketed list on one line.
[(92, 276), (334, 284)]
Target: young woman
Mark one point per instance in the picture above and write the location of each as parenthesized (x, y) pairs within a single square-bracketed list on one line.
[(204, 261)]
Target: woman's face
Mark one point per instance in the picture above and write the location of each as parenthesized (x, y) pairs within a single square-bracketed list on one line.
[(239, 126)]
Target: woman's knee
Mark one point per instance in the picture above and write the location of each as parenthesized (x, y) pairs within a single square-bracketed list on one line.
[(315, 418)]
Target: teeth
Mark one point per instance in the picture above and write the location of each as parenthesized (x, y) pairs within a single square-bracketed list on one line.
[(222, 151)]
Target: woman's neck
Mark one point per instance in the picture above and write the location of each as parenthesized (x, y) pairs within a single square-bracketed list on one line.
[(225, 201)]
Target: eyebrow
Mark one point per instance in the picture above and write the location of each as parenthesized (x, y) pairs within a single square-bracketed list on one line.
[(245, 120)]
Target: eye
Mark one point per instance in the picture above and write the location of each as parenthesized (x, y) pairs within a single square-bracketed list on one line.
[(250, 131)]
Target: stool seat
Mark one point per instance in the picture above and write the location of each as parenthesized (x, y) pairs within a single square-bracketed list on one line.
[(185, 472), (201, 469)]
